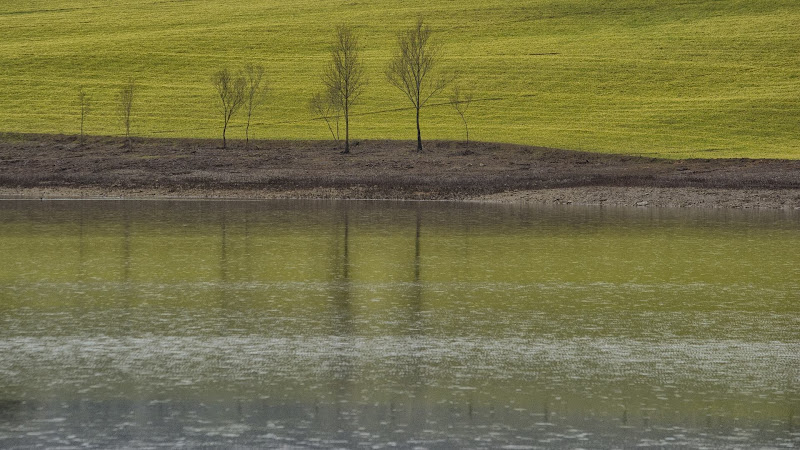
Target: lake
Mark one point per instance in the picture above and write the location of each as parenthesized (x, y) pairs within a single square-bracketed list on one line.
[(313, 324)]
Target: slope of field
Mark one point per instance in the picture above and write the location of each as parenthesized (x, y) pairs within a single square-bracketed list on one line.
[(704, 78)]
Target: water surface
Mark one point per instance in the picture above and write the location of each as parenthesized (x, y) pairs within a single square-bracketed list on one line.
[(324, 324)]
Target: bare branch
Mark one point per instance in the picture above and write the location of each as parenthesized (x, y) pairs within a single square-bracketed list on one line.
[(126, 95), (256, 90), (231, 92), (327, 107), (461, 102)]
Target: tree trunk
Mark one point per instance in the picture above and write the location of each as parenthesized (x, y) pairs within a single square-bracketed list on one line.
[(419, 135), (346, 131), (466, 128), (224, 128), (247, 134), (82, 117)]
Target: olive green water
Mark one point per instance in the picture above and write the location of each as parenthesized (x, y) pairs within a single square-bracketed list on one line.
[(349, 324)]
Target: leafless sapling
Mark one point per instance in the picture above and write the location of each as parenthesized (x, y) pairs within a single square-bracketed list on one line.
[(326, 106), (344, 76), (84, 103), (126, 95), (460, 101), (231, 91), (413, 68), (255, 94)]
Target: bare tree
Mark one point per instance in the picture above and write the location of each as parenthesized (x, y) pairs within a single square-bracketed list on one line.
[(326, 106), (344, 76), (413, 68), (255, 94), (460, 102), (83, 101), (126, 96), (231, 91)]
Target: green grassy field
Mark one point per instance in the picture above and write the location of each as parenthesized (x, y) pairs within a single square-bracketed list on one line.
[(704, 78)]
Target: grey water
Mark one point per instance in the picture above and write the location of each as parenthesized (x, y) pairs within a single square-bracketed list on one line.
[(313, 324)]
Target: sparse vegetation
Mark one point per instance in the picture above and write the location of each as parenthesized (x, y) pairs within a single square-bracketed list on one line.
[(344, 76), (83, 102), (231, 94), (461, 102), (256, 90), (126, 95), (326, 106), (413, 68)]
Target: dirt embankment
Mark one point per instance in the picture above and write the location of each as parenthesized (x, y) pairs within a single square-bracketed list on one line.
[(39, 166)]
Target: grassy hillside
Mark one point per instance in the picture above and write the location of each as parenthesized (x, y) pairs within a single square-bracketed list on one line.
[(706, 78)]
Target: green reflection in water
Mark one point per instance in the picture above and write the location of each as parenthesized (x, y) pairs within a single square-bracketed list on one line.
[(631, 317)]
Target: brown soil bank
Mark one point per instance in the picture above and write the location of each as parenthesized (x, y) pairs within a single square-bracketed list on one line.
[(36, 166)]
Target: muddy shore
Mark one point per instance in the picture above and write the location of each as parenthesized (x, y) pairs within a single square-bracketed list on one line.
[(46, 166)]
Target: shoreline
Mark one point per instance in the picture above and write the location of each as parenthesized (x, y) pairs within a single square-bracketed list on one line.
[(61, 167), (640, 197)]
